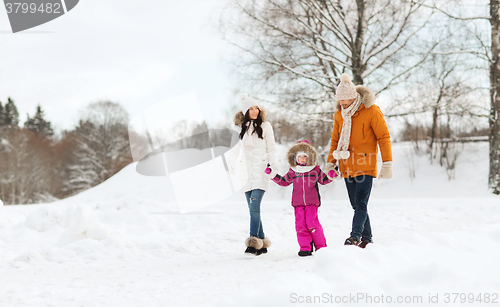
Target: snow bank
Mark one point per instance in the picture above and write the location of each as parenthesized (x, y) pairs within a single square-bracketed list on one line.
[(124, 243)]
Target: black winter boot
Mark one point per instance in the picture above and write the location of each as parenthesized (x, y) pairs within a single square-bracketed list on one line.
[(305, 253), (254, 246), (265, 244), (251, 250)]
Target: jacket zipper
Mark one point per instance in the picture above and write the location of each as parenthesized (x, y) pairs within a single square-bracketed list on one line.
[(304, 188)]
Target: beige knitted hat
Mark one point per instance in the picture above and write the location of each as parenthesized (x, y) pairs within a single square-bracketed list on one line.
[(346, 89)]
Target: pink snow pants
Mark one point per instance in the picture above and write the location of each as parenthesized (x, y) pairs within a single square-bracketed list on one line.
[(308, 228)]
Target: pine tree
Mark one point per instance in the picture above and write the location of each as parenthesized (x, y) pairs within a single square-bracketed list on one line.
[(38, 124), (11, 114)]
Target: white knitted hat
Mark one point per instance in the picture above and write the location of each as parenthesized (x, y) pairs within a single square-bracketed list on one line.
[(346, 89), (246, 102)]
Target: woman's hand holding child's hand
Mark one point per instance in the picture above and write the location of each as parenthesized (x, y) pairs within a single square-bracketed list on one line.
[(270, 173)]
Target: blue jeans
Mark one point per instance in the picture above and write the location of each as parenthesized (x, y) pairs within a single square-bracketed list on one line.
[(359, 189), (254, 197)]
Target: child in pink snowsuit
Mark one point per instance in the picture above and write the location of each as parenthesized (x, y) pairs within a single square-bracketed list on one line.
[(305, 176)]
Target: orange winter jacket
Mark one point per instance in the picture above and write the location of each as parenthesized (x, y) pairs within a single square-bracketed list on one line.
[(369, 129)]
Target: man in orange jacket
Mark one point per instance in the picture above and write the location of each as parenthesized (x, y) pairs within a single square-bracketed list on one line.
[(359, 129)]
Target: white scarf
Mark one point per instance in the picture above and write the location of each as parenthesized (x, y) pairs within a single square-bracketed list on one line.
[(342, 151), (247, 138), (302, 169)]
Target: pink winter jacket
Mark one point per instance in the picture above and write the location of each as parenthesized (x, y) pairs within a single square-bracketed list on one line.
[(305, 185), (305, 179)]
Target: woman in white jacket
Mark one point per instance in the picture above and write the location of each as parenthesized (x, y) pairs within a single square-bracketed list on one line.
[(255, 150)]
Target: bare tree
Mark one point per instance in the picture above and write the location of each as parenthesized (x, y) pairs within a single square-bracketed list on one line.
[(27, 168), (494, 120), (102, 145), (296, 50), (486, 47), (440, 91)]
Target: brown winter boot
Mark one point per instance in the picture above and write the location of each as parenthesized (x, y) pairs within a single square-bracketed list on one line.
[(351, 241), (364, 242)]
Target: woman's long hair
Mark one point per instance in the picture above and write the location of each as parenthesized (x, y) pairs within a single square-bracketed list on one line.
[(256, 125)]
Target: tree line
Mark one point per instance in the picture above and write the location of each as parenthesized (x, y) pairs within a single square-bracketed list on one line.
[(38, 166)]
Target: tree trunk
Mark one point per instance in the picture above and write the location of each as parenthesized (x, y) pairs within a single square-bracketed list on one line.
[(434, 130), (357, 66), (494, 138)]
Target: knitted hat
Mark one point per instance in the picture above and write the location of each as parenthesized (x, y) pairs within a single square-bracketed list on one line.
[(346, 89), (246, 102)]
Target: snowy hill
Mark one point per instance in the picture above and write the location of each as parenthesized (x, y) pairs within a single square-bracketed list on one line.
[(123, 243)]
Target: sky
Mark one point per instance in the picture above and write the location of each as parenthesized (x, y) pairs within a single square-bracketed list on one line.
[(124, 51)]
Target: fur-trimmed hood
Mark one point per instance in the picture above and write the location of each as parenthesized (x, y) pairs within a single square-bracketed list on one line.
[(240, 117), (367, 97), (305, 147)]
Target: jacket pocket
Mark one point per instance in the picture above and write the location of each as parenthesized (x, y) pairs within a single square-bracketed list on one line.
[(365, 161)]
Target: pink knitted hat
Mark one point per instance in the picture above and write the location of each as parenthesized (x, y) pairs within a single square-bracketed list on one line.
[(304, 141), (346, 89)]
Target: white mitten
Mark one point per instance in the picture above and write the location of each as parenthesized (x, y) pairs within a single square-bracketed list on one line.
[(341, 154), (345, 154), (386, 170)]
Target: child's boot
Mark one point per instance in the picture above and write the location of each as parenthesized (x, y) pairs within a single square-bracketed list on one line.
[(304, 253)]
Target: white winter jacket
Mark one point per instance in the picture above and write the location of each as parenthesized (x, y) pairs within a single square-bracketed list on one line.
[(248, 163)]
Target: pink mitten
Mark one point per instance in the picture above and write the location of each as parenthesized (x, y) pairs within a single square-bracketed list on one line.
[(332, 174), (268, 170)]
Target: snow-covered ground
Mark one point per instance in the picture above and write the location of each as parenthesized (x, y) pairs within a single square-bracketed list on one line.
[(123, 243)]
